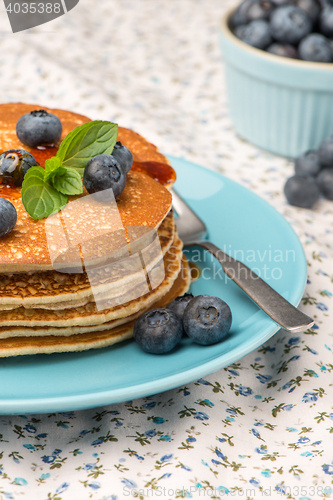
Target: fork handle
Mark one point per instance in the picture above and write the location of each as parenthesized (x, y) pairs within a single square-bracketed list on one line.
[(270, 301)]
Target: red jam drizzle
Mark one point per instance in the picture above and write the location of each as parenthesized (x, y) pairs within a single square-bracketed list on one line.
[(161, 172)]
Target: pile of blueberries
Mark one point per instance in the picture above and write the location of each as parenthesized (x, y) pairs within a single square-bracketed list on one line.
[(205, 319), (299, 29), (313, 176)]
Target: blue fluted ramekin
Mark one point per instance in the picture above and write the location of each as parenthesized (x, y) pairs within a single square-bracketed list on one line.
[(282, 105)]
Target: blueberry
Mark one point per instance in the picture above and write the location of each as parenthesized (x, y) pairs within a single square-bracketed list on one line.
[(283, 50), (39, 128), (316, 47), (123, 156), (104, 172), (8, 217), (311, 7), (326, 21), (325, 152), (325, 182), (241, 15), (301, 191), (14, 164), (256, 33), (207, 319), (158, 331), (261, 9), (179, 304), (307, 164), (289, 24), (250, 10)]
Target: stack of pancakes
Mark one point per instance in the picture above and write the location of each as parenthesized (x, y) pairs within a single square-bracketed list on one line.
[(91, 295)]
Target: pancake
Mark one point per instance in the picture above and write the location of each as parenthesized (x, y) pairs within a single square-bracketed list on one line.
[(10, 113), (79, 279), (144, 304), (90, 314), (54, 290), (143, 203), (91, 340)]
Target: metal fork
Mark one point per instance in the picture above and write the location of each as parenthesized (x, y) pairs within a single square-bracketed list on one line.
[(192, 231)]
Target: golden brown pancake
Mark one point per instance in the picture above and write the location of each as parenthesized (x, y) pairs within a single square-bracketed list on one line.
[(52, 287), (92, 340), (10, 113), (143, 203), (91, 314), (115, 316), (48, 289), (104, 298)]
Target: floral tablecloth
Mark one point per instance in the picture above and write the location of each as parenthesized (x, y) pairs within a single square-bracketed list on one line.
[(261, 427)]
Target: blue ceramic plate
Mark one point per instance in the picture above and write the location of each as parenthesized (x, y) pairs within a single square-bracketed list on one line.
[(239, 222)]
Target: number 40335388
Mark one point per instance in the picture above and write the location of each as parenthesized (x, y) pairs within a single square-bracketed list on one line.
[(34, 8)]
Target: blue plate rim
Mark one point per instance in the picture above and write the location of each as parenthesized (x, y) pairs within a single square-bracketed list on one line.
[(113, 396)]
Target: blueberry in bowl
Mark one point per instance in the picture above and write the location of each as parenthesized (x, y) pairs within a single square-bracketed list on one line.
[(289, 24), (326, 21), (316, 47), (39, 128), (251, 10), (256, 33), (280, 96), (283, 50), (311, 7)]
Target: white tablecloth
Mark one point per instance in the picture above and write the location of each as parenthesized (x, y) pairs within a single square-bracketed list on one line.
[(258, 428)]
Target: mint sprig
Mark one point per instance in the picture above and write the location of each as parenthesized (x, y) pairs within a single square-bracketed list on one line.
[(45, 191), (68, 182), (53, 167)]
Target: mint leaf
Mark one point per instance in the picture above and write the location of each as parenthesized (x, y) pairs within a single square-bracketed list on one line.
[(65, 180), (69, 182), (39, 198), (62, 202), (44, 191), (85, 142), (53, 166), (32, 172)]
